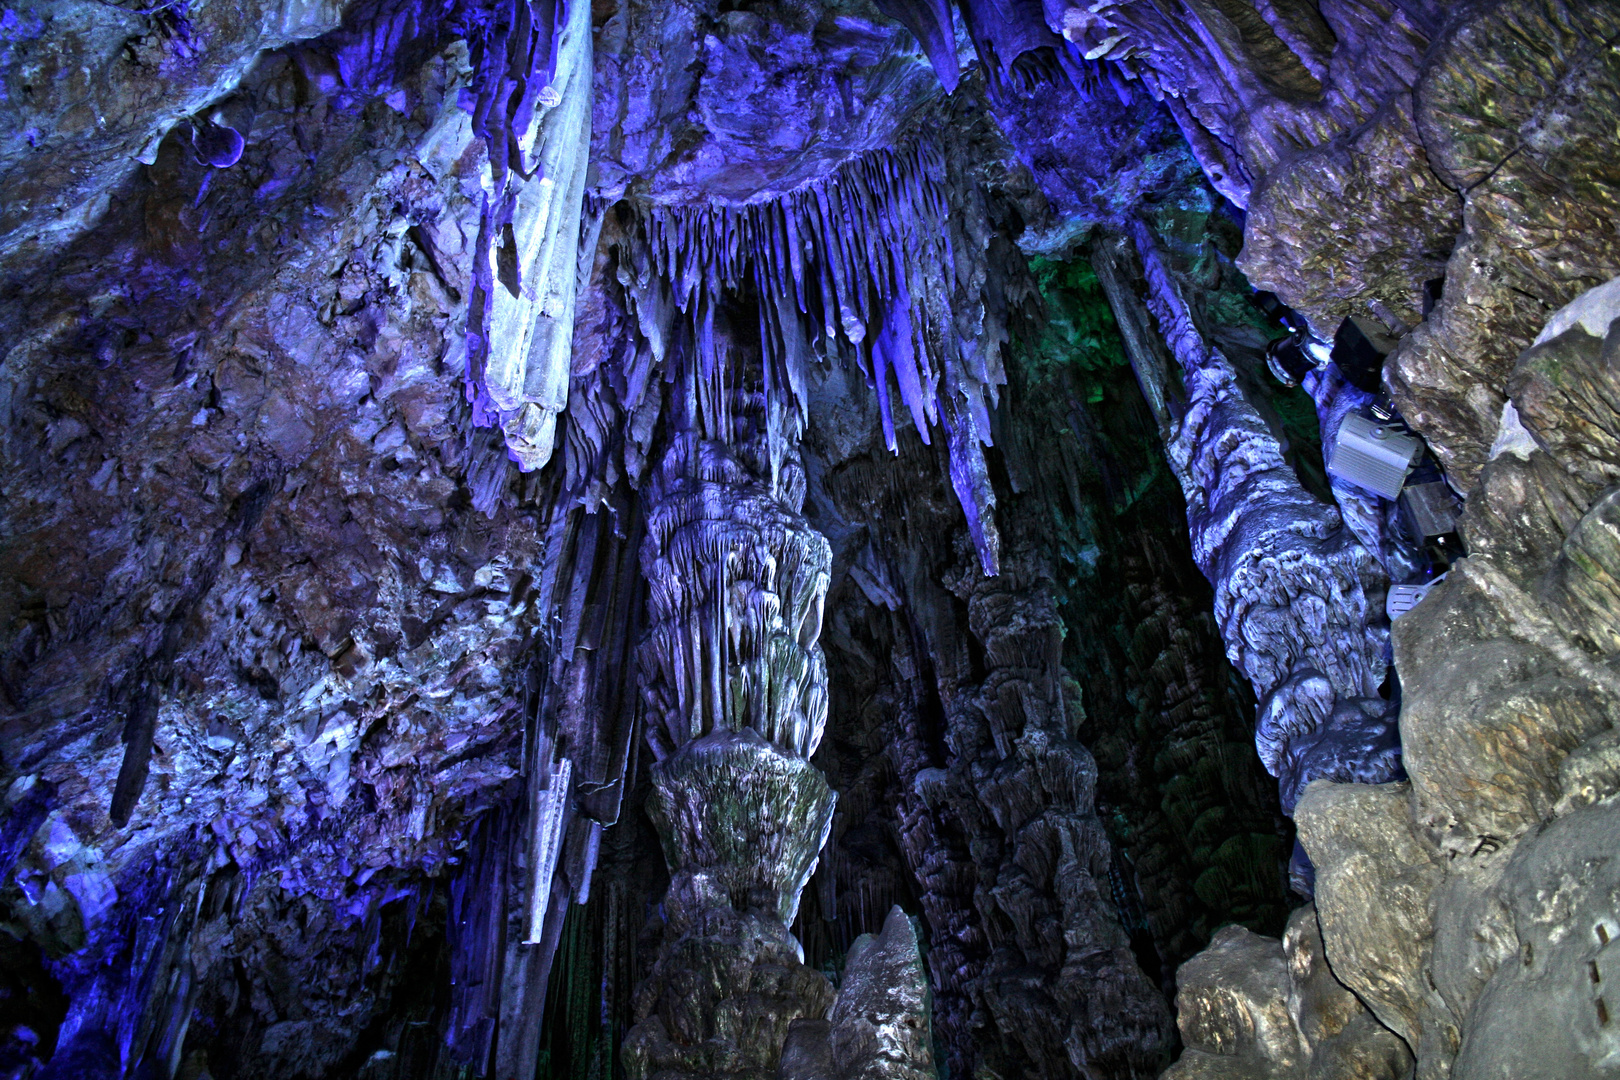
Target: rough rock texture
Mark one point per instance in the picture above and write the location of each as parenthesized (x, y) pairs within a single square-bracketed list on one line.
[(1557, 895), (1291, 581), (1251, 83), (881, 1022), (750, 818), (251, 552), (686, 289), (334, 745), (699, 102), (721, 996), (1126, 574), (1516, 110), (1252, 1007), (90, 91), (1373, 882), (1355, 226), (1424, 893), (1026, 945)]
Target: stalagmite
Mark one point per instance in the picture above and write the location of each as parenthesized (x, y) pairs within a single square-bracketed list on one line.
[(736, 697)]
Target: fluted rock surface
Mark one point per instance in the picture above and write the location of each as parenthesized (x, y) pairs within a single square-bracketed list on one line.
[(737, 577), (747, 816), (1291, 580), (735, 688)]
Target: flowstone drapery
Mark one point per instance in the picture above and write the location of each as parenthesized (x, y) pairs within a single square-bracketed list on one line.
[(532, 106)]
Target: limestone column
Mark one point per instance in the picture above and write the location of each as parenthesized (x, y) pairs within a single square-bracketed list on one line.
[(735, 689)]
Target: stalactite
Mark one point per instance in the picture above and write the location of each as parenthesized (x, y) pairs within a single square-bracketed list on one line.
[(892, 262), (531, 105), (547, 816)]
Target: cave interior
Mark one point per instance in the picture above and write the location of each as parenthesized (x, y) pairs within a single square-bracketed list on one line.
[(809, 539)]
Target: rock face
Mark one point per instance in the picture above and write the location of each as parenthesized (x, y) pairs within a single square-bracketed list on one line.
[(1424, 890), (256, 518), (1506, 698), (1251, 1006), (1361, 221), (700, 103), (533, 532), (1251, 84), (90, 91), (1529, 148)]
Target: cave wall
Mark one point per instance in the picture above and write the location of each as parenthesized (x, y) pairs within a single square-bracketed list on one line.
[(471, 473), (1421, 885)]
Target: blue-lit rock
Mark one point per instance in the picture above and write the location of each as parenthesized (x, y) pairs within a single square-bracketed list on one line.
[(334, 744)]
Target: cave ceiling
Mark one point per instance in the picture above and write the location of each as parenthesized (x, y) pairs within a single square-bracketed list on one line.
[(808, 539)]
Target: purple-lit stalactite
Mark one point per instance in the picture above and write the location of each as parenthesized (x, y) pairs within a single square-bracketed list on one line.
[(1291, 581), (531, 104), (930, 22), (891, 262)]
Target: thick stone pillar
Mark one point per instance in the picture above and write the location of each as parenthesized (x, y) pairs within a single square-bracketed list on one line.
[(735, 687)]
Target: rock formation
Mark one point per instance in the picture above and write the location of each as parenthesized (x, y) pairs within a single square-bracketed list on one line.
[(736, 702), (1252, 1006), (777, 538), (879, 1026)]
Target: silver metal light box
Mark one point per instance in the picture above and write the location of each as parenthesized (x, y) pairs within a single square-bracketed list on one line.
[(1376, 456)]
